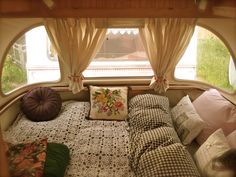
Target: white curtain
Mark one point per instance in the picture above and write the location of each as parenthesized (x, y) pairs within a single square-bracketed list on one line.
[(165, 40), (76, 42)]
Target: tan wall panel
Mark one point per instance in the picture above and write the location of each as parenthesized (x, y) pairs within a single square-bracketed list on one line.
[(8, 116), (12, 27)]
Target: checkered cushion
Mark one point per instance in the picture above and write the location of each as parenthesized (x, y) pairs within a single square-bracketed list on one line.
[(147, 112), (150, 140), (149, 101), (143, 119), (169, 161)]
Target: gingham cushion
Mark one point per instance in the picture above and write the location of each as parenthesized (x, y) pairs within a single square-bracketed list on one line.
[(170, 161), (143, 119), (150, 140), (149, 101), (147, 112)]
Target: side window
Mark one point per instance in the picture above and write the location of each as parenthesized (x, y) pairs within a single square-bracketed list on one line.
[(207, 59), (29, 60)]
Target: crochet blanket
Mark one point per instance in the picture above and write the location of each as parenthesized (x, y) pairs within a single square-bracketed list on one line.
[(97, 148)]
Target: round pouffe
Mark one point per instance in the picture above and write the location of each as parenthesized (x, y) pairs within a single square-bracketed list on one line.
[(41, 104)]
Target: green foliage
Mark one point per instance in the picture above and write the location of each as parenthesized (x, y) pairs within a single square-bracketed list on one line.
[(213, 62), (13, 75)]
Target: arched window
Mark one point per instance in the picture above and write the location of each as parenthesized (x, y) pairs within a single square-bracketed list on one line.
[(29, 60), (207, 59)]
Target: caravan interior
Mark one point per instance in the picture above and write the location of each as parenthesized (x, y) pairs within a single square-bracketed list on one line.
[(117, 88)]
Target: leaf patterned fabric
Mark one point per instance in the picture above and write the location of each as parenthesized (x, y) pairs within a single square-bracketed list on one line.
[(27, 159)]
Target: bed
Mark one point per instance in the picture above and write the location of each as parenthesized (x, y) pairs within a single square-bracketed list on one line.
[(149, 143), (97, 148)]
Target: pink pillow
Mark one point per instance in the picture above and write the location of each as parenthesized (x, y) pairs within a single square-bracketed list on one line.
[(232, 139), (217, 112)]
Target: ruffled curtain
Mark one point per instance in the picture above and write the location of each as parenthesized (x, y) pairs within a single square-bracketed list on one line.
[(76, 42), (165, 41)]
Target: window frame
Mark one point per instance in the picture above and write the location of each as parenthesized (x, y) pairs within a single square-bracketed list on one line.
[(206, 85), (14, 39), (138, 80)]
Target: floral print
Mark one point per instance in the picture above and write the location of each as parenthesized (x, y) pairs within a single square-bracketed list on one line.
[(108, 101), (27, 159)]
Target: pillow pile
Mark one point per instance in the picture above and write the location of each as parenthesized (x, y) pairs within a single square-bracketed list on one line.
[(209, 112), (208, 119), (109, 103), (187, 122), (155, 149)]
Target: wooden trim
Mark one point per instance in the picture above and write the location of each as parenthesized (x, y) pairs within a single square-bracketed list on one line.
[(110, 8), (225, 11)]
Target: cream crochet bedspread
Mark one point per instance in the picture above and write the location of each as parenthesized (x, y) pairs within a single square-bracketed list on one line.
[(97, 148)]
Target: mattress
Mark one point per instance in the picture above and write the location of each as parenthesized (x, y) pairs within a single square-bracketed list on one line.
[(97, 148)]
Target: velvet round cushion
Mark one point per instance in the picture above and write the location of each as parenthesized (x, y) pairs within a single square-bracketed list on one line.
[(41, 104)]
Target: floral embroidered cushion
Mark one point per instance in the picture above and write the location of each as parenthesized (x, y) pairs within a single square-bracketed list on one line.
[(27, 159), (108, 103)]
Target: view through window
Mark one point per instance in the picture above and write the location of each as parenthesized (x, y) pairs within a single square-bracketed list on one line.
[(207, 59), (121, 55), (29, 60)]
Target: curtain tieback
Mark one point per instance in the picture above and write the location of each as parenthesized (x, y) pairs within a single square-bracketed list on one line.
[(159, 84), (161, 79), (75, 78)]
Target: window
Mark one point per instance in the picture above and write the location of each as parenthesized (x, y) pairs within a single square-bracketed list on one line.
[(29, 61), (121, 55), (207, 59)]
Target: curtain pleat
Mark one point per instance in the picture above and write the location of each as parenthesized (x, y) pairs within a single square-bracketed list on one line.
[(165, 41), (76, 42)]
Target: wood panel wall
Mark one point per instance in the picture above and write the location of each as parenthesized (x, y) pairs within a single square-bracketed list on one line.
[(111, 8)]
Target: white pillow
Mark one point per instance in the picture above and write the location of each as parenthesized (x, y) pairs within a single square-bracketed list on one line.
[(213, 147), (187, 122), (109, 103)]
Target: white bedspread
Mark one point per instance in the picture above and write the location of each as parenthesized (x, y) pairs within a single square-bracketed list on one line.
[(97, 148)]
